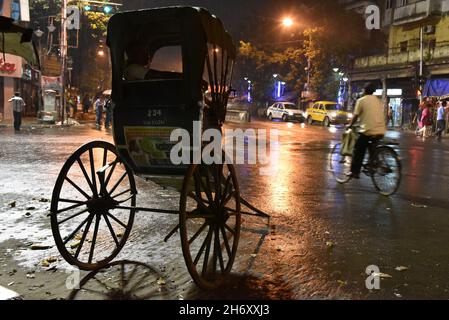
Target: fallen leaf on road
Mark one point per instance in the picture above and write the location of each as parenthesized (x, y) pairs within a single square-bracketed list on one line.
[(10, 284), (119, 235), (253, 255), (52, 259), (75, 245), (161, 281), (30, 208), (45, 263), (401, 268), (37, 246), (398, 295), (44, 200), (329, 244), (342, 283), (381, 275), (417, 205), (30, 275), (12, 204)]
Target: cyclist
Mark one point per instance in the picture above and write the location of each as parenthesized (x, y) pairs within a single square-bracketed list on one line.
[(369, 111)]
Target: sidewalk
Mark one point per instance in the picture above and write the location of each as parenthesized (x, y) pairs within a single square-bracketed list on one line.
[(34, 123)]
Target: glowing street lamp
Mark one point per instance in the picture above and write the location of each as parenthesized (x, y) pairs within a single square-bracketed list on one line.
[(287, 22)]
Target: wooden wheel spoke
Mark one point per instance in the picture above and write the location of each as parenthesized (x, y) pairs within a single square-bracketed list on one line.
[(86, 176), (206, 254), (199, 202), (198, 232), (76, 230), (94, 239), (92, 169), (218, 246), (121, 193), (73, 216), (227, 199), (77, 188), (105, 156), (70, 207), (102, 283), (209, 187), (72, 201), (83, 237), (117, 220), (225, 240), (226, 186), (197, 214), (111, 171), (118, 183), (204, 186), (233, 211), (230, 229), (108, 223), (203, 245)]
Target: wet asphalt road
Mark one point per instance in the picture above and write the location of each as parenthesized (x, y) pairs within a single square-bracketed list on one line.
[(321, 236)]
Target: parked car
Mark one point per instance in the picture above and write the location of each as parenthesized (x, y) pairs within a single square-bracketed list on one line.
[(327, 112), (285, 111)]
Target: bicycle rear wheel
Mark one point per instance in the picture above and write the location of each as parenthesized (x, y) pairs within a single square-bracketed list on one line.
[(386, 174), (339, 165)]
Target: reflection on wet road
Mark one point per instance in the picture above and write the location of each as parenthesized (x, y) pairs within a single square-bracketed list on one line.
[(321, 237)]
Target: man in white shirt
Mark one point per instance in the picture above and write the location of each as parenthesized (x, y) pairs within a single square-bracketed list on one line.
[(18, 105), (441, 121), (369, 111)]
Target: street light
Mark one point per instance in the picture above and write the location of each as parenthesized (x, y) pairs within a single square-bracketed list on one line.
[(287, 22)]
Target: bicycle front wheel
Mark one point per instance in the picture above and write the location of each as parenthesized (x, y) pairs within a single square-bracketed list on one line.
[(339, 165), (386, 174)]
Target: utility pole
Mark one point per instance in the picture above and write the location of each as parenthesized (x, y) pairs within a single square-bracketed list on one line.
[(63, 48), (421, 60)]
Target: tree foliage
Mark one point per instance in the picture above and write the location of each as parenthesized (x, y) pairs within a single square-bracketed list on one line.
[(91, 72), (328, 36)]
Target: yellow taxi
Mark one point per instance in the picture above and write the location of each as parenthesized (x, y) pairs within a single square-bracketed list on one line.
[(327, 112)]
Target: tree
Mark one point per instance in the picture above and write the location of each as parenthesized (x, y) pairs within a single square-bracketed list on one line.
[(329, 37), (91, 72)]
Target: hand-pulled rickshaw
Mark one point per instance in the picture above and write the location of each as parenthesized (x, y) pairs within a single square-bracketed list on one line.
[(94, 199)]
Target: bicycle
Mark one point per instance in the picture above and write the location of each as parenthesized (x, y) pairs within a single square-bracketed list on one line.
[(381, 163)]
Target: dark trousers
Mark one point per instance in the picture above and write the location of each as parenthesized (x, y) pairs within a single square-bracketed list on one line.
[(441, 125), (362, 143), (17, 120)]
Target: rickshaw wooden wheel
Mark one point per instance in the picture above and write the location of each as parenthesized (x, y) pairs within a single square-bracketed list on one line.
[(88, 224), (210, 220)]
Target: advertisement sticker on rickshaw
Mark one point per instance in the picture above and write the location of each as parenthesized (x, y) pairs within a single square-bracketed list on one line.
[(149, 146)]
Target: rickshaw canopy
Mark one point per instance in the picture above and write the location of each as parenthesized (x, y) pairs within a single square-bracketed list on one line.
[(192, 28)]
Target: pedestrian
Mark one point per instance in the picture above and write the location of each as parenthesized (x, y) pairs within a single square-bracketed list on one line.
[(86, 103), (99, 110), (74, 101), (390, 116), (427, 120), (108, 109), (18, 106), (441, 122)]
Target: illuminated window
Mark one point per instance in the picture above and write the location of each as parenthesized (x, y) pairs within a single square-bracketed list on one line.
[(15, 10)]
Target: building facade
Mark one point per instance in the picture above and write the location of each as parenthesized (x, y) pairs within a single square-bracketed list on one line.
[(15, 73), (418, 52)]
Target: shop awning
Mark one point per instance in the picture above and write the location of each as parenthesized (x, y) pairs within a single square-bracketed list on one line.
[(437, 88)]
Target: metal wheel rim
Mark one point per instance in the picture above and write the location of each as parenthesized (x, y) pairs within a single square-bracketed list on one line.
[(383, 170), (336, 167)]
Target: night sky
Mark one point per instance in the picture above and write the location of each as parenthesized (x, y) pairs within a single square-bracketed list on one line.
[(233, 13)]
